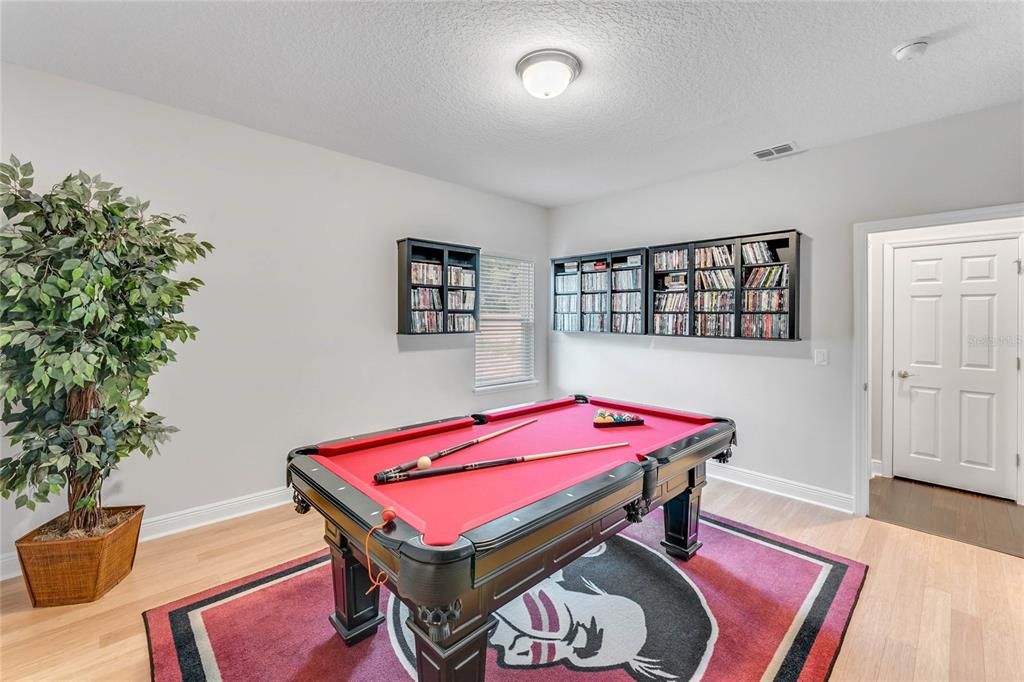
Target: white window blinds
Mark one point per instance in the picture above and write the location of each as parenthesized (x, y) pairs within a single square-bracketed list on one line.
[(504, 341)]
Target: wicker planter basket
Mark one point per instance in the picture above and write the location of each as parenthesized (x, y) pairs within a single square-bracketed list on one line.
[(59, 572)]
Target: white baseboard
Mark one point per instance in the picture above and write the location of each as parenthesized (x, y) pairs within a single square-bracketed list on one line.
[(186, 519), (781, 486), (876, 467)]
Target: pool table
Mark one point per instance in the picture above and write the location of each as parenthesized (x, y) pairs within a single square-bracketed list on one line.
[(465, 544)]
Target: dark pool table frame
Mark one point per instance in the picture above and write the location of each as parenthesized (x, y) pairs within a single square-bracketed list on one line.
[(452, 591)]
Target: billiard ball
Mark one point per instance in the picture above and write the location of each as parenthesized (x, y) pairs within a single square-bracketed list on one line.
[(423, 462)]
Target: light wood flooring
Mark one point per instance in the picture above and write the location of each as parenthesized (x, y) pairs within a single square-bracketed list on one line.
[(968, 517), (931, 608)]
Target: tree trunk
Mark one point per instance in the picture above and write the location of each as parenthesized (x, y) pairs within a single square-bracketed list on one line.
[(80, 403)]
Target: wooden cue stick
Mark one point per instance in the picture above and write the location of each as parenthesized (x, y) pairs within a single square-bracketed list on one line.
[(488, 463), (380, 476)]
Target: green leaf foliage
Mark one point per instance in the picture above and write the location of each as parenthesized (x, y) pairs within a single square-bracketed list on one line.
[(89, 312)]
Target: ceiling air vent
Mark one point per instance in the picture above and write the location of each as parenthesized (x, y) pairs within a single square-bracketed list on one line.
[(776, 151)]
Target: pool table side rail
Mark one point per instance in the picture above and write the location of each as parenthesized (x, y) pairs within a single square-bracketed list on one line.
[(712, 441), (497, 413)]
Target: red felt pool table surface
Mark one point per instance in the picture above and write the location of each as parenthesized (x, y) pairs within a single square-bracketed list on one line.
[(443, 507)]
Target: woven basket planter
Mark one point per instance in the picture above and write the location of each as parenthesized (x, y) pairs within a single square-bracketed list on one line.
[(59, 572)]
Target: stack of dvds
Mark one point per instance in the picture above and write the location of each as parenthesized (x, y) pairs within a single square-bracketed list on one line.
[(425, 323), (758, 253), (567, 322), (461, 322), (627, 323), (676, 280), (426, 298), (677, 302), (715, 325), (426, 273), (461, 277), (595, 281), (674, 259), (595, 303), (462, 299), (766, 326), (567, 284), (594, 322), (671, 325), (716, 279), (766, 300), (714, 301), (628, 302), (627, 279), (712, 257), (768, 277), (567, 304)]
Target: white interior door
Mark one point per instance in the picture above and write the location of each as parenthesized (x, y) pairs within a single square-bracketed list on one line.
[(955, 322)]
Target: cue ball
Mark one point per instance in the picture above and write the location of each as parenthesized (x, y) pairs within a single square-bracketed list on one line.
[(423, 463)]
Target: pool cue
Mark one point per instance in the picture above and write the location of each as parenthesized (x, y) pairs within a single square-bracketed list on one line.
[(488, 463), (380, 476)]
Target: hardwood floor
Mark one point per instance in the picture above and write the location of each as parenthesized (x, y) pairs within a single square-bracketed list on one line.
[(968, 517), (931, 608)]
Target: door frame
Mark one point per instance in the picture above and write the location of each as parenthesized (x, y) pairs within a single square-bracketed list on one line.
[(889, 248), (868, 354)]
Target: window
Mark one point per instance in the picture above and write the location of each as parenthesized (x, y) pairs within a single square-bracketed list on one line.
[(504, 341)]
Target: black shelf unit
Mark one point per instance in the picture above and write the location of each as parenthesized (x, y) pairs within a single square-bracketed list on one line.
[(715, 279), (595, 292), (415, 258), (584, 292), (769, 312), (746, 312), (669, 286), (628, 292), (565, 293)]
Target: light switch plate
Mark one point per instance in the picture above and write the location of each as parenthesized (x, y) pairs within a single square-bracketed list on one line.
[(821, 356)]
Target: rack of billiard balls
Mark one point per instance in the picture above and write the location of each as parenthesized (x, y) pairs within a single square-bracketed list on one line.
[(604, 419)]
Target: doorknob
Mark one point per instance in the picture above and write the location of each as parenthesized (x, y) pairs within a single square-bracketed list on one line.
[(903, 374)]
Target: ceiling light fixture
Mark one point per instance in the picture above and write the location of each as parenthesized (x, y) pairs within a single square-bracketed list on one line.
[(547, 73), (911, 50)]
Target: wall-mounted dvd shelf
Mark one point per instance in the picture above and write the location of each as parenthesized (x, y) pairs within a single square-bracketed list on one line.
[(600, 292), (737, 287), (438, 287)]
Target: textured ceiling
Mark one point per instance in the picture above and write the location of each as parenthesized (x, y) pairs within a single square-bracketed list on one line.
[(667, 88)]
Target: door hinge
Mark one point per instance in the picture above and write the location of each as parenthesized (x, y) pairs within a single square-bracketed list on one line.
[(1018, 364), (1020, 266)]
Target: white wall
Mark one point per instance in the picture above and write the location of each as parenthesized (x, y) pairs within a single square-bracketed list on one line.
[(794, 419), (297, 340)]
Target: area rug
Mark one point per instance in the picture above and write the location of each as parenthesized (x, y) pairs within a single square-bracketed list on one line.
[(749, 606)]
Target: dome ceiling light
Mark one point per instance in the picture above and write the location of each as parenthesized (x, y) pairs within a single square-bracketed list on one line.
[(912, 50), (547, 73)]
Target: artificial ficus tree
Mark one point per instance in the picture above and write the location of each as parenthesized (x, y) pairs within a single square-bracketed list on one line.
[(88, 313)]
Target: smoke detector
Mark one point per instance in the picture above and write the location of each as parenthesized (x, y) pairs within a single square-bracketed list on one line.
[(911, 50), (769, 153)]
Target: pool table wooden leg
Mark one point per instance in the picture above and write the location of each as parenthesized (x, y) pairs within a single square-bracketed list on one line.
[(463, 661), (355, 614), (682, 518)]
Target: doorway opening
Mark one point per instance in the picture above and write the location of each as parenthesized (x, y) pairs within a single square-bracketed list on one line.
[(939, 433)]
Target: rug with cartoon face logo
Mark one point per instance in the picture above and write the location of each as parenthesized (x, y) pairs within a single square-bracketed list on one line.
[(749, 606), (592, 617)]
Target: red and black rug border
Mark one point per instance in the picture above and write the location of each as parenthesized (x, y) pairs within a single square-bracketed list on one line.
[(191, 669)]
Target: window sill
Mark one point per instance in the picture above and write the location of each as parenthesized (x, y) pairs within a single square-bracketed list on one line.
[(498, 388)]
